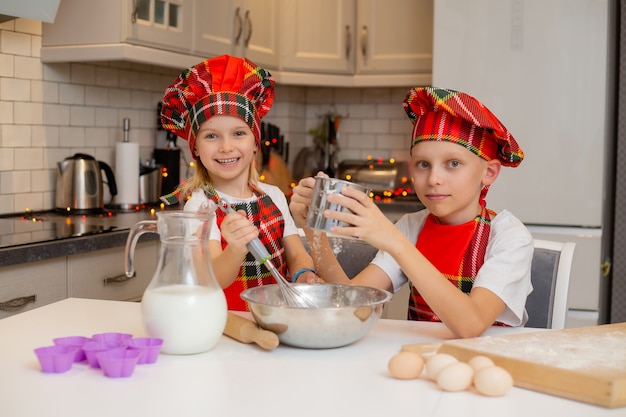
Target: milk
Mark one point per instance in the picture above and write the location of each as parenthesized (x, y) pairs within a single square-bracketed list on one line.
[(189, 319)]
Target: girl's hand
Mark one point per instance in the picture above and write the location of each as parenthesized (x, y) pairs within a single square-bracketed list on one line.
[(310, 278), (238, 231)]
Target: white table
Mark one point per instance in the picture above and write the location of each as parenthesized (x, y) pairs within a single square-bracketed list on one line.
[(236, 379)]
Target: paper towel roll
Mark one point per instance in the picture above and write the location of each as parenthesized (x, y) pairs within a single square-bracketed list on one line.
[(127, 173)]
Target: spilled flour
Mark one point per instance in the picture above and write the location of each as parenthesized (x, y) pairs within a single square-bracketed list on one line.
[(598, 348)]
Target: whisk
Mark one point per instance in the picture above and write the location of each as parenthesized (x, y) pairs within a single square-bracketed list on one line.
[(291, 296)]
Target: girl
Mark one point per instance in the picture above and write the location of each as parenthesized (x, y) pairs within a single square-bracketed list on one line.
[(217, 106)]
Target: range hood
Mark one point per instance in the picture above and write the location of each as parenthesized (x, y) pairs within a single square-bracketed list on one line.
[(42, 10)]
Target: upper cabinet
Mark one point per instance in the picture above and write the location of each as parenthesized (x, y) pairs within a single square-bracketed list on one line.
[(394, 36), (391, 39), (321, 36), (149, 31), (159, 23), (303, 42), (245, 28)]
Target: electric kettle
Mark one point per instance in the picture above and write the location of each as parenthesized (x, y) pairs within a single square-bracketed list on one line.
[(80, 185)]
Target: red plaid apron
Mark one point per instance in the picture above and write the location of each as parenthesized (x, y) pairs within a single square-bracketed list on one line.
[(265, 215), (457, 251)]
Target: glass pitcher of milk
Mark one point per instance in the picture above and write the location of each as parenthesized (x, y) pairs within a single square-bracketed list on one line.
[(183, 305)]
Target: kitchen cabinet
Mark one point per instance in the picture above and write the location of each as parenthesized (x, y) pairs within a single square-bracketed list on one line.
[(148, 31), (28, 286), (390, 38), (321, 36), (394, 36), (336, 43), (171, 33), (100, 274), (245, 28), (164, 24)]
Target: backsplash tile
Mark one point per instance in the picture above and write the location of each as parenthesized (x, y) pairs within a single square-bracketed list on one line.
[(14, 89), (15, 43), (51, 111)]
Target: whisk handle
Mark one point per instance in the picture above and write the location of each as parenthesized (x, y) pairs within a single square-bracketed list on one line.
[(259, 251)]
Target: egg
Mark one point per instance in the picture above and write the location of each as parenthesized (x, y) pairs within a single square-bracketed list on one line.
[(493, 381), (436, 363), (406, 365), (479, 362), (456, 376)]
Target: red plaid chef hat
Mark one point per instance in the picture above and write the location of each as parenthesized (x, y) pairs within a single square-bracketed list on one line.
[(447, 115), (224, 85)]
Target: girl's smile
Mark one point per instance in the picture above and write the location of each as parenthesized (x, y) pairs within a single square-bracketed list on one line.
[(226, 147), (230, 161)]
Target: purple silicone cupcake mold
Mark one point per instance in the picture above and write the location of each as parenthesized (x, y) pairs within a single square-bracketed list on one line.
[(115, 353), (112, 337), (74, 341), (56, 359), (118, 363), (92, 348), (149, 348)]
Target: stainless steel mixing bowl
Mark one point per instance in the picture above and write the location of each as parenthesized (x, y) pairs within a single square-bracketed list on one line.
[(345, 314)]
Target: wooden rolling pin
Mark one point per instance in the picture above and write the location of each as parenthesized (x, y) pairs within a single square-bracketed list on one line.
[(247, 331)]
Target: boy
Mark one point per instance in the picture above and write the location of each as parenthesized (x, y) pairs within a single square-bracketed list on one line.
[(457, 149)]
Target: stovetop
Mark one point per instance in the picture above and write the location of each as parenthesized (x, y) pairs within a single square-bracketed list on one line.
[(39, 227)]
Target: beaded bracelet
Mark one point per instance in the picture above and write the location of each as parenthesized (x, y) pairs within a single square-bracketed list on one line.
[(300, 272)]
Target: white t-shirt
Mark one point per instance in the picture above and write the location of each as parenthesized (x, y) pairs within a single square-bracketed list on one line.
[(275, 193), (506, 271)]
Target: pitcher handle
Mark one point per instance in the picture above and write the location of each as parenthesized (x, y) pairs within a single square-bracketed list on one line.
[(145, 226)]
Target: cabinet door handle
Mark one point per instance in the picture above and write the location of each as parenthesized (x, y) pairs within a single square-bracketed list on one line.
[(249, 26), (238, 26), (17, 303), (348, 41), (364, 42), (133, 14), (118, 279)]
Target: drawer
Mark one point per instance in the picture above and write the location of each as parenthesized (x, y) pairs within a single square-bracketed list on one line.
[(27, 286), (100, 274)]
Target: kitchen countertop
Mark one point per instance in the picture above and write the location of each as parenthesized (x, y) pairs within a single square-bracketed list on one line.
[(39, 236), (236, 379), (33, 237)]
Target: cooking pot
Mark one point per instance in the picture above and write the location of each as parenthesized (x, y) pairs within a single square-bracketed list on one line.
[(80, 184)]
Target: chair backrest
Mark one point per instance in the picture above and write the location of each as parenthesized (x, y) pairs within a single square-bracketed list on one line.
[(550, 276)]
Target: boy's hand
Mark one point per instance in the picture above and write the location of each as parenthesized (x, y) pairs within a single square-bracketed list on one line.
[(301, 199), (367, 221)]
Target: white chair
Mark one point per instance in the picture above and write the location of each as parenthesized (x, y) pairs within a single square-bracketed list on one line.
[(550, 276)]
